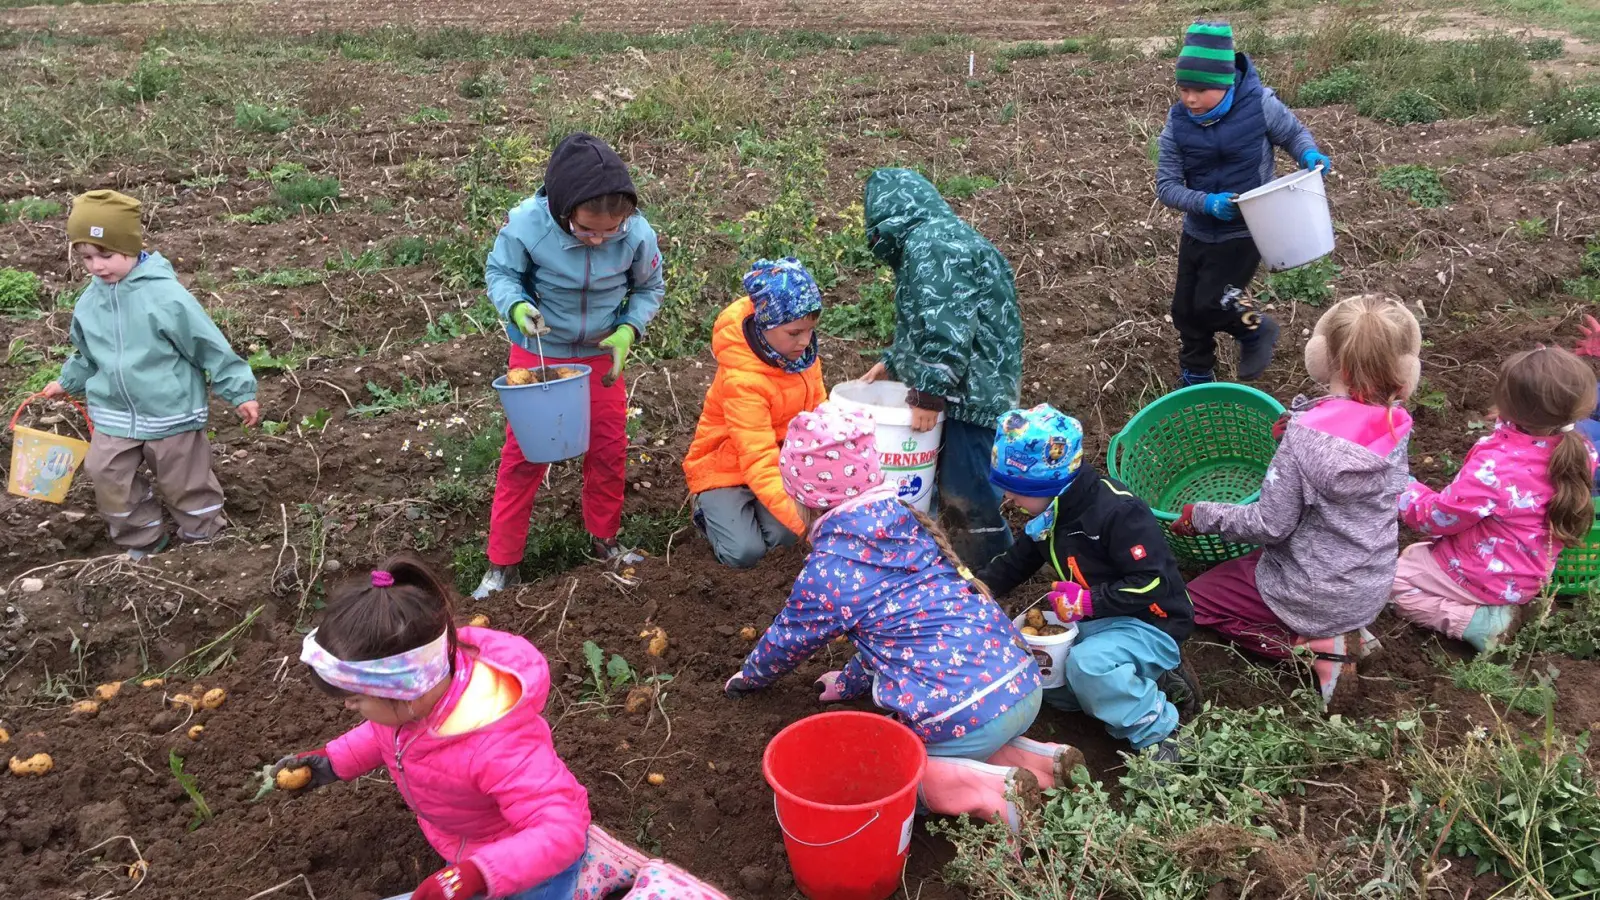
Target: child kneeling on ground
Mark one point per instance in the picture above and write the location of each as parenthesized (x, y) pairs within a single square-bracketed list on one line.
[(1217, 144), (932, 646), (767, 373), (1324, 519), (1522, 495), (456, 716), (146, 355), (1116, 579)]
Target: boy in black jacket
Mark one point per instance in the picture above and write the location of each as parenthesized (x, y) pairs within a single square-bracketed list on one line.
[(1116, 579)]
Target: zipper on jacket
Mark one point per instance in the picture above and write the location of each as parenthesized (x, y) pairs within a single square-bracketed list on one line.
[(583, 304), (133, 414)]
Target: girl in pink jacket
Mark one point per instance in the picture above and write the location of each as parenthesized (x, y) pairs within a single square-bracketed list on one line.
[(1521, 496)]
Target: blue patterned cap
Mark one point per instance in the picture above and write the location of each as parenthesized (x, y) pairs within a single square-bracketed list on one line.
[(1037, 452), (782, 291)]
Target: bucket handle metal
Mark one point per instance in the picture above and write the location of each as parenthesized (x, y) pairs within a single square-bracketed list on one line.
[(32, 397), (876, 814)]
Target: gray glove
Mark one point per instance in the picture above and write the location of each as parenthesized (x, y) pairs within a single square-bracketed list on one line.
[(316, 760)]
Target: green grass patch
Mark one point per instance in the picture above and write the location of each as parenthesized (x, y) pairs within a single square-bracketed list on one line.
[(1311, 284), (1420, 184), (19, 292), (1504, 684), (409, 395), (1567, 113), (313, 193), (279, 278), (28, 209), (262, 118)]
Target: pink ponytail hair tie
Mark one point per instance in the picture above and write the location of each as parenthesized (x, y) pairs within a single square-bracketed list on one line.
[(382, 579)]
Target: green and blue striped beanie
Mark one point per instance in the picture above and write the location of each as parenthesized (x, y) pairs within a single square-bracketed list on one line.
[(1206, 60)]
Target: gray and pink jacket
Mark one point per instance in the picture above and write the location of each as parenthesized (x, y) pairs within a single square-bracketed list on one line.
[(1490, 528), (1325, 518), (497, 795)]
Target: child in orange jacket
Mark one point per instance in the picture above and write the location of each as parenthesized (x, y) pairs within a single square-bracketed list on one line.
[(767, 373)]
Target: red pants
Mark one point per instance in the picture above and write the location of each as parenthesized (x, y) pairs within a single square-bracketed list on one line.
[(1227, 601), (604, 466)]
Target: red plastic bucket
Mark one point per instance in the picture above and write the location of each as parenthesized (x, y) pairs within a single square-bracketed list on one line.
[(845, 786)]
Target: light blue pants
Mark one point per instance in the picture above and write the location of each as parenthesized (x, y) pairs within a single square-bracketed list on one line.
[(986, 741), (1111, 675)]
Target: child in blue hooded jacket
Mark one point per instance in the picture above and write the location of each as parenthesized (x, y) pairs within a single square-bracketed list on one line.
[(577, 274), (1217, 144), (932, 646)]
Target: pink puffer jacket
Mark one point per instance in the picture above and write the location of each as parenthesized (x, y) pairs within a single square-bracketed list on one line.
[(1489, 527), (498, 795)]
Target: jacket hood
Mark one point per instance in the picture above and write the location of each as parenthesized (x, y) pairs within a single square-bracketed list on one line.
[(898, 200), (727, 340), (582, 168), (508, 653), (1352, 443), (152, 268)]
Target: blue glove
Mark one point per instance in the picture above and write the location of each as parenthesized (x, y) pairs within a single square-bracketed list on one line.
[(1313, 158), (1220, 206)]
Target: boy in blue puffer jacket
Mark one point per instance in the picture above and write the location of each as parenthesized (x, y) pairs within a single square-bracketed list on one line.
[(577, 274), (146, 355), (1217, 144)]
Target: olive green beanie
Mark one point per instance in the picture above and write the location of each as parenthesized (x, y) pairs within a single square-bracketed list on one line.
[(107, 219)]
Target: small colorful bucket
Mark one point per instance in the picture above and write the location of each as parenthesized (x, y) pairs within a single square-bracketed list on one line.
[(43, 463)]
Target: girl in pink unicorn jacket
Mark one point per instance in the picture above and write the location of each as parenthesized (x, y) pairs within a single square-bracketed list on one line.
[(1521, 496)]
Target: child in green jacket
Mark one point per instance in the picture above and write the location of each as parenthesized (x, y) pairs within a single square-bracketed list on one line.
[(957, 345), (145, 348)]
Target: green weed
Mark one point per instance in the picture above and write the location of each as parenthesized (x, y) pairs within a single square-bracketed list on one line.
[(409, 395), (1310, 284), (1500, 681), (28, 209), (263, 119), (264, 361), (428, 114), (191, 789), (307, 192), (871, 318), (963, 187), (1567, 113), (1533, 229), (152, 76), (19, 292), (1568, 630), (482, 85), (1420, 183), (1040, 49), (1343, 85), (279, 278)]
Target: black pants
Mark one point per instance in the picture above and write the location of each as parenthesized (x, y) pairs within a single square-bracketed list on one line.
[(1205, 273)]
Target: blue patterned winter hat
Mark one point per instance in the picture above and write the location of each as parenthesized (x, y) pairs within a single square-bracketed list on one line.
[(782, 291), (1037, 452)]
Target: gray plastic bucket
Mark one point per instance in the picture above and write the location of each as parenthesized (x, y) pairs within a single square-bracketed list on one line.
[(550, 420)]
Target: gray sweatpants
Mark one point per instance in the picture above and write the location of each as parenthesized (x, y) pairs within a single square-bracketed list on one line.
[(740, 528), (181, 465)]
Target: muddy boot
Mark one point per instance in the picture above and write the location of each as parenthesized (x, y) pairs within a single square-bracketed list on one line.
[(1256, 348), (1370, 645), (140, 554), (1492, 627), (609, 865), (953, 786), (661, 880), (1334, 662), (497, 579), (1190, 378), (1182, 689), (1051, 764)]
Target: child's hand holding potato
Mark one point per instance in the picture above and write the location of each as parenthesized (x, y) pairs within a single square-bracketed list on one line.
[(298, 771)]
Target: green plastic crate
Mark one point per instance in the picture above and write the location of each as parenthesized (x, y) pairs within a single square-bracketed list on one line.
[(1206, 442), (1578, 566)]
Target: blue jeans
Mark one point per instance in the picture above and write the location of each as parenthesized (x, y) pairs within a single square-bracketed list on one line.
[(1111, 675), (986, 741), (969, 506), (560, 886)]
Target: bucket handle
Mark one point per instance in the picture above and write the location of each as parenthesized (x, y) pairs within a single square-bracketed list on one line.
[(32, 397), (544, 367), (875, 815)]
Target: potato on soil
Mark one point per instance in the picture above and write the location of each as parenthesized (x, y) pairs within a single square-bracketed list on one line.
[(137, 870), (479, 621), (639, 699), (749, 634), (183, 700), (292, 779), (195, 732), (86, 708), (213, 698), (658, 640), (519, 376), (153, 683), (107, 691), (5, 736), (1033, 619), (37, 764), (656, 778)]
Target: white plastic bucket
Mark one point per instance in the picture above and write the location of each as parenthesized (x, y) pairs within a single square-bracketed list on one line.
[(909, 458), (1289, 219), (1050, 652)]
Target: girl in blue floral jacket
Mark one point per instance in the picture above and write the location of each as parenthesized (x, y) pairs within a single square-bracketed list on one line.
[(932, 646)]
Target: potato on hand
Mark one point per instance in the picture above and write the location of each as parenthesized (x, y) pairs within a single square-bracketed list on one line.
[(292, 779)]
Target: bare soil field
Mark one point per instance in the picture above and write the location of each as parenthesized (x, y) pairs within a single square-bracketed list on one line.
[(325, 178)]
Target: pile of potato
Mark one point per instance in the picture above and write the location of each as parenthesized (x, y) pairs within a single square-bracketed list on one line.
[(519, 376), (1034, 625)]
